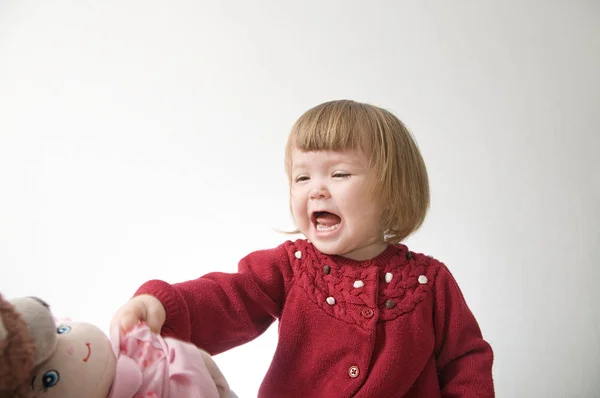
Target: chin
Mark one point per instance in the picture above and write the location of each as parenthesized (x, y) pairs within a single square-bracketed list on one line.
[(325, 248)]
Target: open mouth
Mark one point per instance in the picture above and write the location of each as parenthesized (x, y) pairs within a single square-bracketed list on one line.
[(89, 352), (325, 221)]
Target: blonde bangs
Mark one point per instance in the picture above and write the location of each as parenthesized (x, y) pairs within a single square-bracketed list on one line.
[(332, 126)]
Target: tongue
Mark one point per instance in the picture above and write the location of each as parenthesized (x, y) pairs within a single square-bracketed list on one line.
[(327, 219)]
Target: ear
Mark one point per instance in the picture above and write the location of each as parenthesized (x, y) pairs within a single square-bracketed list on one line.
[(40, 323)]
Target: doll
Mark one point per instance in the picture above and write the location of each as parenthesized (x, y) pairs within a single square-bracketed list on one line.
[(87, 363)]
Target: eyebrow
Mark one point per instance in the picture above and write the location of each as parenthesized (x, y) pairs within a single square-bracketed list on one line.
[(300, 165)]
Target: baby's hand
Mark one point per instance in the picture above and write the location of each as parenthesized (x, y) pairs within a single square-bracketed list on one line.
[(142, 308)]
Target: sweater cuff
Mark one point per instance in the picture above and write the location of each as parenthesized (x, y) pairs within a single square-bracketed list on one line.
[(177, 322)]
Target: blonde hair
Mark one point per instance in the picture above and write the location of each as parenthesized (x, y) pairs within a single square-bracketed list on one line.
[(402, 186)]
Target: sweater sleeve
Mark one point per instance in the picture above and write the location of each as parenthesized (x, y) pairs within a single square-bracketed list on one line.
[(464, 358), (219, 311)]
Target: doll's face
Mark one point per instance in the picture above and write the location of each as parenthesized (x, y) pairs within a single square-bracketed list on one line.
[(83, 364)]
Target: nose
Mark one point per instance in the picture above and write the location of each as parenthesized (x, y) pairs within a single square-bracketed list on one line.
[(319, 193)]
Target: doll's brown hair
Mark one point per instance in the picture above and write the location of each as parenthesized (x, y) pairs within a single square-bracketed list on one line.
[(17, 353), (401, 186)]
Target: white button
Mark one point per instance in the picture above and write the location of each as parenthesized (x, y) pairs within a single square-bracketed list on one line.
[(388, 277), (358, 284), (330, 300), (298, 254), (422, 279), (353, 371)]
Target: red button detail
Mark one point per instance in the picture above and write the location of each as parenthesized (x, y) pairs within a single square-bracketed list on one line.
[(367, 312), (353, 372)]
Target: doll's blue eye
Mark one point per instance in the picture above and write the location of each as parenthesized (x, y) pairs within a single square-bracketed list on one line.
[(63, 329), (50, 379)]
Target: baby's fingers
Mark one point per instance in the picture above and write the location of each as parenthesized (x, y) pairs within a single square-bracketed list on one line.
[(129, 320), (128, 316), (142, 308), (155, 316)]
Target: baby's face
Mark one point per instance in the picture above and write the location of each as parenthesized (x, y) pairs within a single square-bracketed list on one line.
[(331, 204), (83, 364)]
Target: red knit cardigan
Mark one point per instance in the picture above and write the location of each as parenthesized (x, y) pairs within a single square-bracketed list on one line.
[(393, 326)]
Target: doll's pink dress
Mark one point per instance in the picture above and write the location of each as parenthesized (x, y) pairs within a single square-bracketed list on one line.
[(149, 365)]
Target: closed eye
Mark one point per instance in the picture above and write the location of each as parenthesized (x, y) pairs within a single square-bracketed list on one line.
[(301, 178), (341, 175)]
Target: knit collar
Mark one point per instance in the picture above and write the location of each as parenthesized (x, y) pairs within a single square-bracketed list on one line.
[(391, 251)]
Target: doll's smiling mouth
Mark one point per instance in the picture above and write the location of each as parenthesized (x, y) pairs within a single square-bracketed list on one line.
[(89, 352)]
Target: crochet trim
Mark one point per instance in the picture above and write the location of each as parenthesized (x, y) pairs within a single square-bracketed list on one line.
[(358, 290)]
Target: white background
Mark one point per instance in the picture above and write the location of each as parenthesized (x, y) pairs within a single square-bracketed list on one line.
[(144, 139)]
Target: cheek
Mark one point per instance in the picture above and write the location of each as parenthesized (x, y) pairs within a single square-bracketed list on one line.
[(357, 204), (296, 203), (299, 215), (352, 200)]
